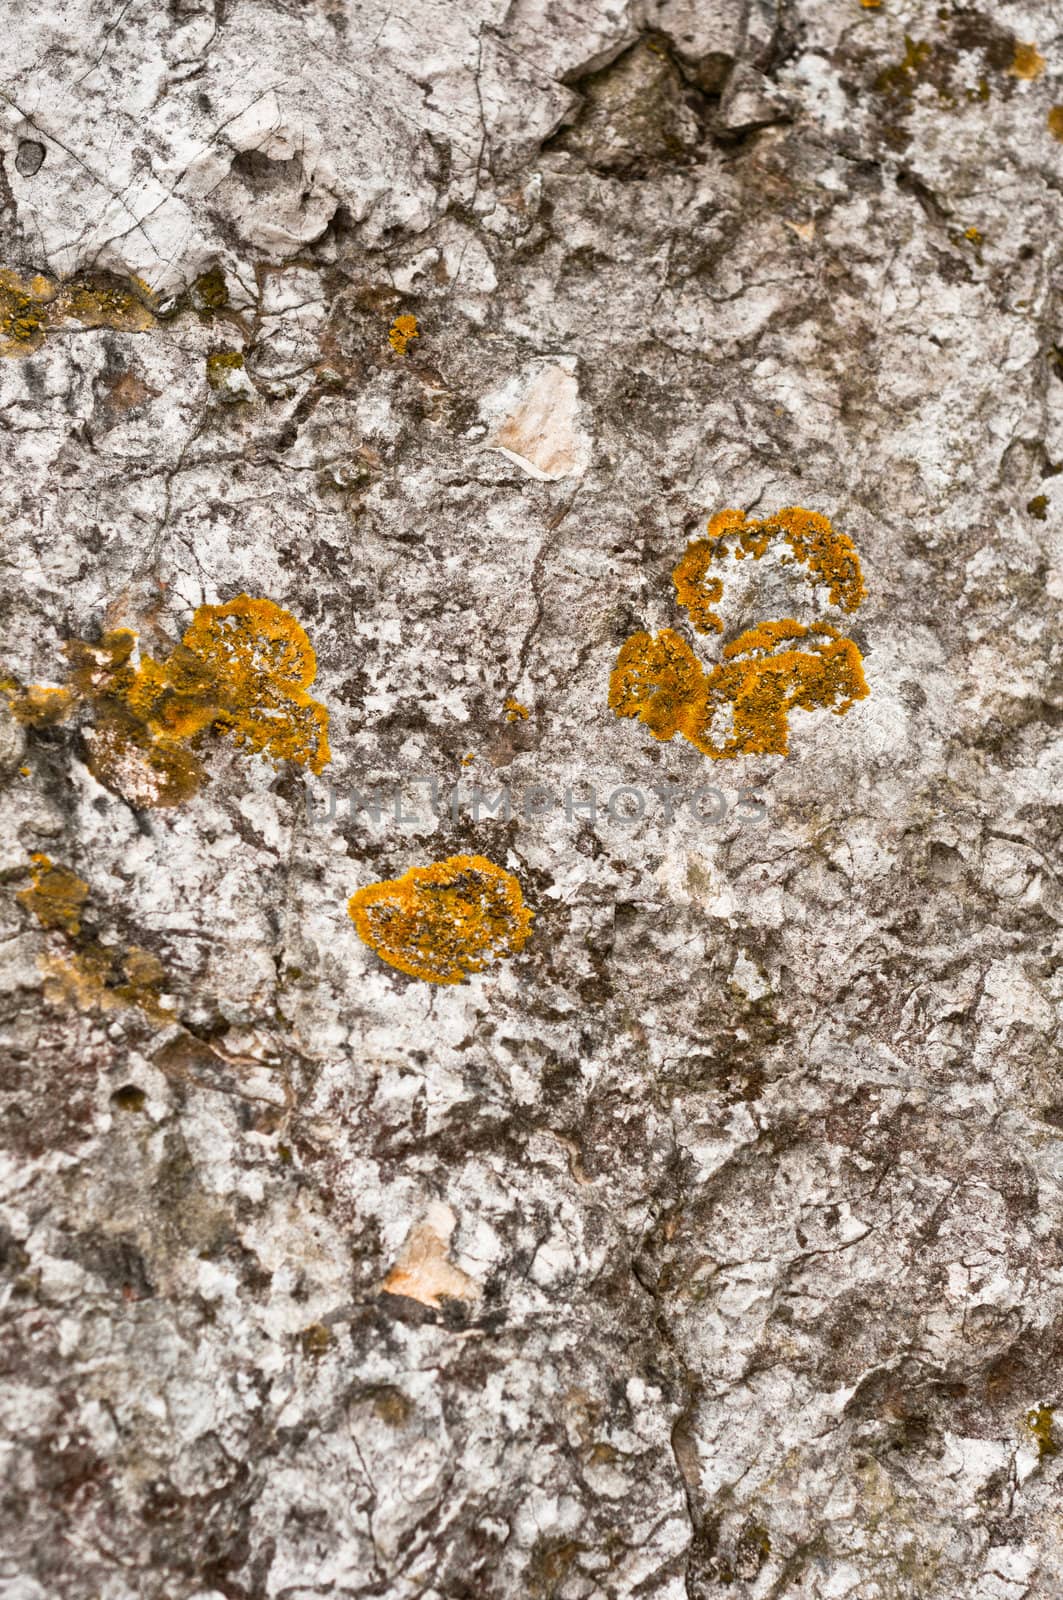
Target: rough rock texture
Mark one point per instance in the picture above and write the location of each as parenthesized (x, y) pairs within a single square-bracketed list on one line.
[(714, 1245)]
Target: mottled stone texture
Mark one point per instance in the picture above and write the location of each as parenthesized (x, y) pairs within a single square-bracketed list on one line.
[(712, 1247)]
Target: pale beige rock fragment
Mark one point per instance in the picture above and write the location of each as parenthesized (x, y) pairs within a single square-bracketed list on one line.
[(424, 1270), (542, 435)]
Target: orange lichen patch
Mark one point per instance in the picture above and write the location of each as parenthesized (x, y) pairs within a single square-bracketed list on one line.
[(256, 663), (445, 921), (742, 706), (242, 669), (759, 685), (56, 896), (695, 590), (402, 330), (871, 5), (1055, 122), (515, 711), (724, 522), (1028, 62), (661, 681), (830, 556)]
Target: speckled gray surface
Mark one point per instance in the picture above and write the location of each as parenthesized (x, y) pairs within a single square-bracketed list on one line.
[(711, 1246)]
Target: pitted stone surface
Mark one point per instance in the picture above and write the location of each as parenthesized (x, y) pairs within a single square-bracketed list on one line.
[(710, 1247)]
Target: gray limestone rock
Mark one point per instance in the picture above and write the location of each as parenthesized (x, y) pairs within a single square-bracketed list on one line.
[(709, 1246)]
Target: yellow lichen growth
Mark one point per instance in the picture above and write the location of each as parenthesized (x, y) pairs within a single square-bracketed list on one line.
[(242, 669), (1028, 62), (830, 556), (31, 305), (695, 590), (402, 330), (228, 379), (515, 711), (1055, 122), (221, 364), (445, 921), (741, 705), (22, 312), (56, 895)]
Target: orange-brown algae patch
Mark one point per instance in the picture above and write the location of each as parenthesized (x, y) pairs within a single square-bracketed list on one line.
[(1055, 122), (1028, 61), (445, 921), (56, 896), (39, 705), (695, 590), (402, 330)]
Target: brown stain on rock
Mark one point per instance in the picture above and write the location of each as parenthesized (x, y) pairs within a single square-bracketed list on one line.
[(32, 306), (78, 971), (1028, 62)]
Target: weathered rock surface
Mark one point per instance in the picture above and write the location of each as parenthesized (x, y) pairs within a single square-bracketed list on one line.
[(713, 1246)]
